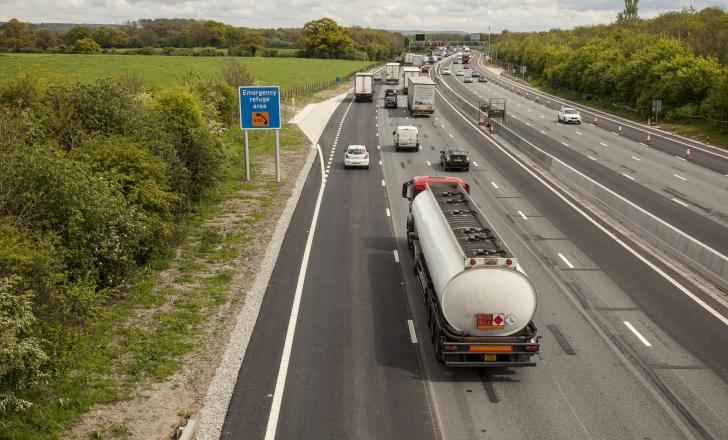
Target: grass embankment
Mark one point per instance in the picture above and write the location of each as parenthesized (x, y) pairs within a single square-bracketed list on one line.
[(698, 129), (157, 71)]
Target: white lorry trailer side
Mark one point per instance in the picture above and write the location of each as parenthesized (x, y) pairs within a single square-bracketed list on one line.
[(418, 60), (421, 96), (480, 303), (392, 76), (364, 86), (407, 72), (408, 59)]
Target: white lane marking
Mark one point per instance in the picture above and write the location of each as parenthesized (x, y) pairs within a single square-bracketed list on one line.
[(451, 135), (413, 336), (377, 134), (681, 158), (636, 333), (542, 117), (380, 162), (428, 163), (475, 163), (522, 215), (442, 125), (591, 220), (396, 256), (542, 132), (578, 132), (603, 144), (628, 176), (565, 144), (680, 177), (389, 214), (568, 263), (530, 110), (528, 124), (680, 202), (382, 182), (636, 158), (270, 432), (378, 147), (495, 185)]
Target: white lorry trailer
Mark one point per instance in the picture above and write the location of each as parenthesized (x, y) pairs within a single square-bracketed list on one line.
[(407, 72), (392, 76), (408, 59), (421, 96), (480, 303), (364, 86), (418, 60)]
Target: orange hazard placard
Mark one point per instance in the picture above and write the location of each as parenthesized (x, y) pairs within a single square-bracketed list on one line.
[(261, 119)]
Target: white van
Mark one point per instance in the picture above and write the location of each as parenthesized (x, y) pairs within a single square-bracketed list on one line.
[(406, 137)]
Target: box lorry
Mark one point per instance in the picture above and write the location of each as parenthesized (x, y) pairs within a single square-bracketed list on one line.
[(418, 60), (421, 96), (364, 86), (408, 59), (392, 76), (480, 303), (408, 72)]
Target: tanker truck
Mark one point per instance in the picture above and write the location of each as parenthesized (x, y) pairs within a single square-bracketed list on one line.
[(480, 303)]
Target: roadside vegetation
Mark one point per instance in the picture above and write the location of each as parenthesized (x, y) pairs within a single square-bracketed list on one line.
[(106, 186), (322, 38), (680, 58)]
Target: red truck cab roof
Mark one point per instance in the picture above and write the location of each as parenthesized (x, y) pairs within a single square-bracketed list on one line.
[(418, 184)]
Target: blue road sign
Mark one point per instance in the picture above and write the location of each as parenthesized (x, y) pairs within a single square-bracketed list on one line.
[(260, 107), (338, 80)]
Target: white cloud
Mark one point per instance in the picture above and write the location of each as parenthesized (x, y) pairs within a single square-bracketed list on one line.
[(428, 15)]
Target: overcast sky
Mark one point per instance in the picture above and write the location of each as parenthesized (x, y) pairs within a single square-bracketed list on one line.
[(429, 15)]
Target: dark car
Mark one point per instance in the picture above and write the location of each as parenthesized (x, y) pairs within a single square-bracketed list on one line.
[(454, 158), (482, 79), (390, 98), (475, 74)]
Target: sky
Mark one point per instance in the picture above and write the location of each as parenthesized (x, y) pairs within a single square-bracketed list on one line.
[(427, 15)]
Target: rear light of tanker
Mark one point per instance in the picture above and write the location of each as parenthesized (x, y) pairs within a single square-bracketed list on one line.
[(509, 262), (450, 348), (531, 348), (490, 348)]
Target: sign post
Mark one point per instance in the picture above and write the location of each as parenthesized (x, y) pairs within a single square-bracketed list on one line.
[(260, 109)]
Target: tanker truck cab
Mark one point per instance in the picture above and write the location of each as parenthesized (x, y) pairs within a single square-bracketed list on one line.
[(480, 302), (415, 186)]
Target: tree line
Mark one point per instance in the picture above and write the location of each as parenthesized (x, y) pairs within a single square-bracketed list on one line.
[(680, 58), (319, 38)]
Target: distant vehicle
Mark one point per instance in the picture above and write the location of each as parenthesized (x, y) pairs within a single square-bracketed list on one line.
[(408, 72), (465, 57), (408, 59), (466, 66), (569, 116), (482, 79), (363, 86), (390, 98), (377, 77), (480, 304), (356, 156), (446, 71), (454, 157), (468, 79), (475, 74), (425, 69), (459, 73), (392, 75), (418, 60), (421, 97), (406, 137)]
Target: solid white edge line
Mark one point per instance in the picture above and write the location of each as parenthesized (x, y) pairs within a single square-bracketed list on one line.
[(592, 158), (636, 158), (568, 263), (624, 245), (680, 177), (396, 256), (628, 176), (389, 214), (522, 215), (680, 202), (638, 334), (270, 431), (413, 335)]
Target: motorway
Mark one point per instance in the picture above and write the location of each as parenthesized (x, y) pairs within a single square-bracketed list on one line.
[(625, 352)]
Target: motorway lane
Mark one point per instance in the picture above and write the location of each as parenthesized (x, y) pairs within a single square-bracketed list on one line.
[(700, 227), (591, 389), (704, 191), (707, 156), (354, 372)]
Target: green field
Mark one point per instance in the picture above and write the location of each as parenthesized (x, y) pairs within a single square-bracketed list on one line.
[(165, 71)]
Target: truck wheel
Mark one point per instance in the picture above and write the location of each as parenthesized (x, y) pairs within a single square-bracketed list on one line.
[(438, 348)]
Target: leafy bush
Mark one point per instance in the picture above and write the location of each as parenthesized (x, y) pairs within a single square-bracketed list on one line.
[(21, 354), (86, 46), (24, 90)]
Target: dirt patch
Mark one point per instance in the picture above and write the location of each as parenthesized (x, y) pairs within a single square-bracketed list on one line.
[(156, 410)]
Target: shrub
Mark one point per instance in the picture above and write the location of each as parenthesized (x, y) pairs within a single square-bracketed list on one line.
[(86, 46), (25, 90), (21, 355), (235, 74)]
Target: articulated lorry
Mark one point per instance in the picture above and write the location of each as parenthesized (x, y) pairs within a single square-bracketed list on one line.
[(421, 95), (392, 76), (364, 86), (480, 304), (408, 72)]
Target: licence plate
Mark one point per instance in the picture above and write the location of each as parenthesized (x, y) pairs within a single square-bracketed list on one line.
[(457, 160), (490, 357)]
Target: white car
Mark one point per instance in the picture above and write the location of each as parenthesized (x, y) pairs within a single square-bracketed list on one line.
[(459, 73), (356, 156), (446, 72), (569, 115)]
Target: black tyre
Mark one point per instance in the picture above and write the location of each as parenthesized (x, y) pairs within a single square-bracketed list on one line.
[(438, 348)]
